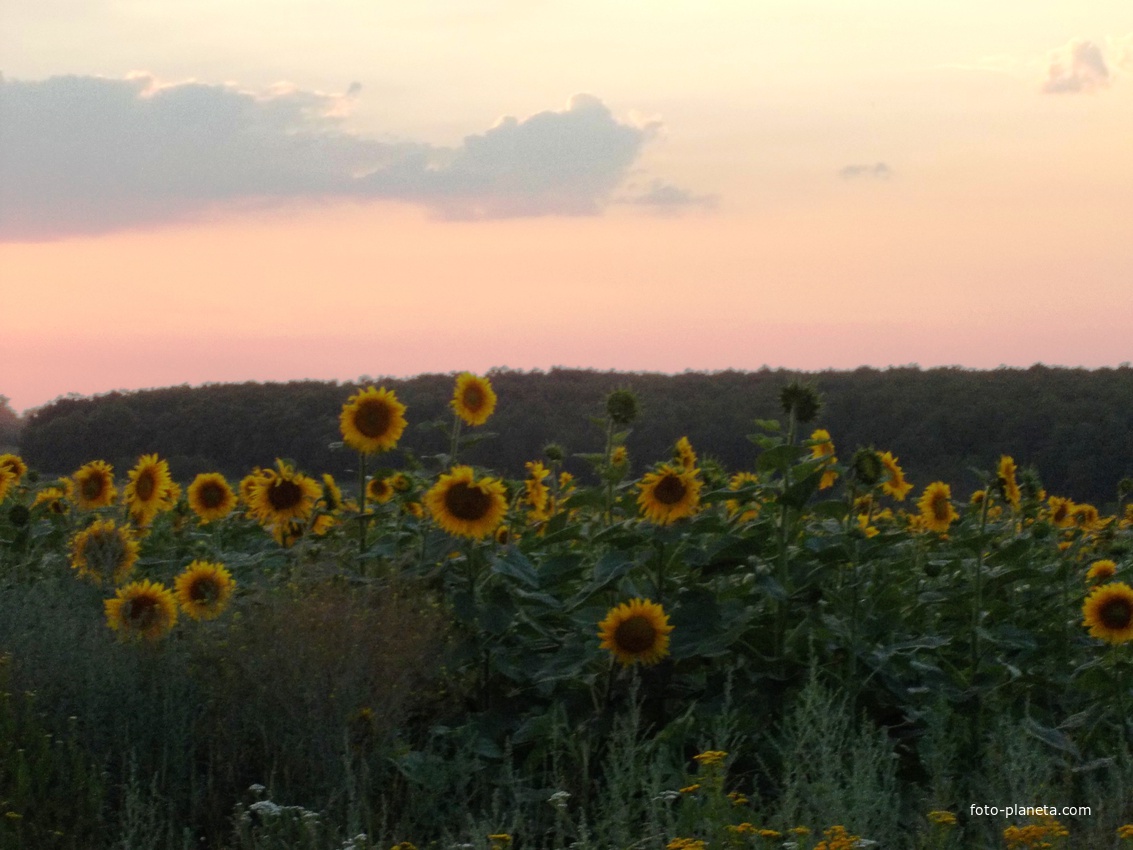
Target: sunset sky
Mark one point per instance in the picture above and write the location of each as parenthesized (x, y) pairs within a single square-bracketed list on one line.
[(230, 190)]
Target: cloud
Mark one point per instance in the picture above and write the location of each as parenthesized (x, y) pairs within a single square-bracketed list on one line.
[(1079, 66), (88, 155), (666, 196), (877, 171)]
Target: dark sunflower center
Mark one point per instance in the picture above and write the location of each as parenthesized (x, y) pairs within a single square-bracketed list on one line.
[(211, 495), (1117, 614), (284, 494), (473, 397), (145, 486), (635, 634), (372, 418), (1059, 515), (203, 589), (467, 502), (92, 486), (940, 507), (670, 490), (142, 611)]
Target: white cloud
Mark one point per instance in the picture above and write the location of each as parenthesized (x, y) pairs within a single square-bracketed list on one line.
[(93, 154), (1079, 66)]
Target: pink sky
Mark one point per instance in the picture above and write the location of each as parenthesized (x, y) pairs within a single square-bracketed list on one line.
[(762, 190)]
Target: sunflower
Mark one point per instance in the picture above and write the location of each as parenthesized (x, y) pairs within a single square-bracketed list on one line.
[(636, 632), (619, 457), (1102, 570), (332, 494), (94, 485), (1086, 517), (464, 506), (14, 464), (281, 494), (473, 398), (203, 589), (379, 490), (822, 447), (104, 552), (935, 505), (150, 489), (142, 609), (211, 497), (747, 507), (1061, 511), (537, 494), (896, 485), (684, 454), (7, 481), (1108, 612), (54, 497), (372, 420), (669, 494), (400, 482), (1007, 482)]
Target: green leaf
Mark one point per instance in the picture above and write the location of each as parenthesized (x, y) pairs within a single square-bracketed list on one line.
[(779, 459), (515, 565)]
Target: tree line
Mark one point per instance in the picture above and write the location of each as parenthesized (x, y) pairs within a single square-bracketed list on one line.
[(1074, 426)]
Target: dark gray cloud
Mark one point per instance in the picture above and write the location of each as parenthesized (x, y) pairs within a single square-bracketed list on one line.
[(1078, 67), (876, 171), (90, 154)]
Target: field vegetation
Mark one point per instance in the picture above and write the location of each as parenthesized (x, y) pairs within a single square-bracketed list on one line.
[(819, 647)]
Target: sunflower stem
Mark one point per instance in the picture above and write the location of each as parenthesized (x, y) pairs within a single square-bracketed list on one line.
[(455, 446), (1119, 683), (361, 504), (606, 470)]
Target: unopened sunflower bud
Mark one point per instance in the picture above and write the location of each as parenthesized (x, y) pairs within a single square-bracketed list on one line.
[(554, 452), (621, 407), (800, 399), (867, 466)]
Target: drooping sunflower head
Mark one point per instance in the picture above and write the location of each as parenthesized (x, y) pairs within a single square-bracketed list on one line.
[(1108, 612), (636, 632), (14, 464), (211, 497), (669, 494), (1008, 484), (473, 398), (150, 489), (896, 485), (203, 589), (142, 609), (372, 420), (282, 494), (935, 505), (466, 506), (104, 552), (94, 485)]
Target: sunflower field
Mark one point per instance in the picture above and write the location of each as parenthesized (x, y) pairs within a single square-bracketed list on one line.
[(817, 652)]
